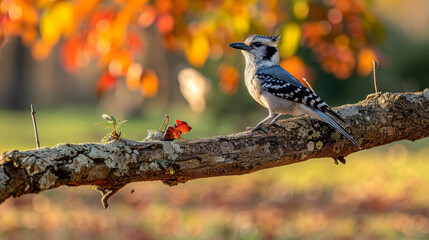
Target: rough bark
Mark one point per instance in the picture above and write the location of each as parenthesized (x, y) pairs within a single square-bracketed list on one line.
[(378, 120)]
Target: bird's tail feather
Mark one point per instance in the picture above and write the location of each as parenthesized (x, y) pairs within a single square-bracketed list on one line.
[(330, 111), (323, 116)]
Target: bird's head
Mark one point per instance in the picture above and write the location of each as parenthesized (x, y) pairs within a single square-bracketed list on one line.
[(259, 50)]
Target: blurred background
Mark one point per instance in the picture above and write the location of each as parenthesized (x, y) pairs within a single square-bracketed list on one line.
[(139, 60)]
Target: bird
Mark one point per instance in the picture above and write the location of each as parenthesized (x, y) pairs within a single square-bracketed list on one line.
[(278, 90)]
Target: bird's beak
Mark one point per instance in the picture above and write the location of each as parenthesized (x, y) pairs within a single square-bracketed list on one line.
[(240, 46)]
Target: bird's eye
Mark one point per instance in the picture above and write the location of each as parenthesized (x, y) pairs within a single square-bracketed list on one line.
[(257, 44)]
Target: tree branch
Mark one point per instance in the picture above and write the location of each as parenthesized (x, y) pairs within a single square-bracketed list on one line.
[(378, 120)]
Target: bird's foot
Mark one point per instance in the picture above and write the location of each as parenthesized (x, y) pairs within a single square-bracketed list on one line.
[(254, 129), (275, 124)]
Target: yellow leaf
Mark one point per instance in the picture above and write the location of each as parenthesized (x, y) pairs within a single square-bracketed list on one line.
[(198, 50), (117, 32), (301, 9), (290, 39), (64, 16), (49, 29), (241, 23), (43, 3), (55, 21)]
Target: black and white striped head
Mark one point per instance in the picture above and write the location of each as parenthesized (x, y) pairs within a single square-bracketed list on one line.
[(259, 50)]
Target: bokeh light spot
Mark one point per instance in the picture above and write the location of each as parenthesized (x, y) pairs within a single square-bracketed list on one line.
[(335, 16), (301, 9), (324, 27)]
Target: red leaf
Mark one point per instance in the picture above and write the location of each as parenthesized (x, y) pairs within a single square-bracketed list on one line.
[(171, 133), (70, 52), (182, 126), (165, 23), (105, 83), (135, 42)]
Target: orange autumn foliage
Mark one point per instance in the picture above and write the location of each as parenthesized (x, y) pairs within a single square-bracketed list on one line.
[(229, 78), (149, 84), (340, 34)]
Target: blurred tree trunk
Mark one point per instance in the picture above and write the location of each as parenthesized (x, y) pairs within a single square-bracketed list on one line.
[(17, 95), (378, 120)]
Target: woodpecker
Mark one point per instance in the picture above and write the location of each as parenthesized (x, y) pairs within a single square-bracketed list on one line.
[(276, 89)]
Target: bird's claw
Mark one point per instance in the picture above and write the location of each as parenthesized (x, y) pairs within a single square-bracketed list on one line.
[(254, 129), (275, 124)]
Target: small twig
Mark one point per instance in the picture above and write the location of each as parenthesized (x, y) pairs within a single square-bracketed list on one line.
[(105, 194), (36, 134), (374, 69), (166, 119), (305, 80)]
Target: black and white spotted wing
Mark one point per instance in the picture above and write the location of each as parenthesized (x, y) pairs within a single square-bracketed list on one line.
[(294, 93)]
